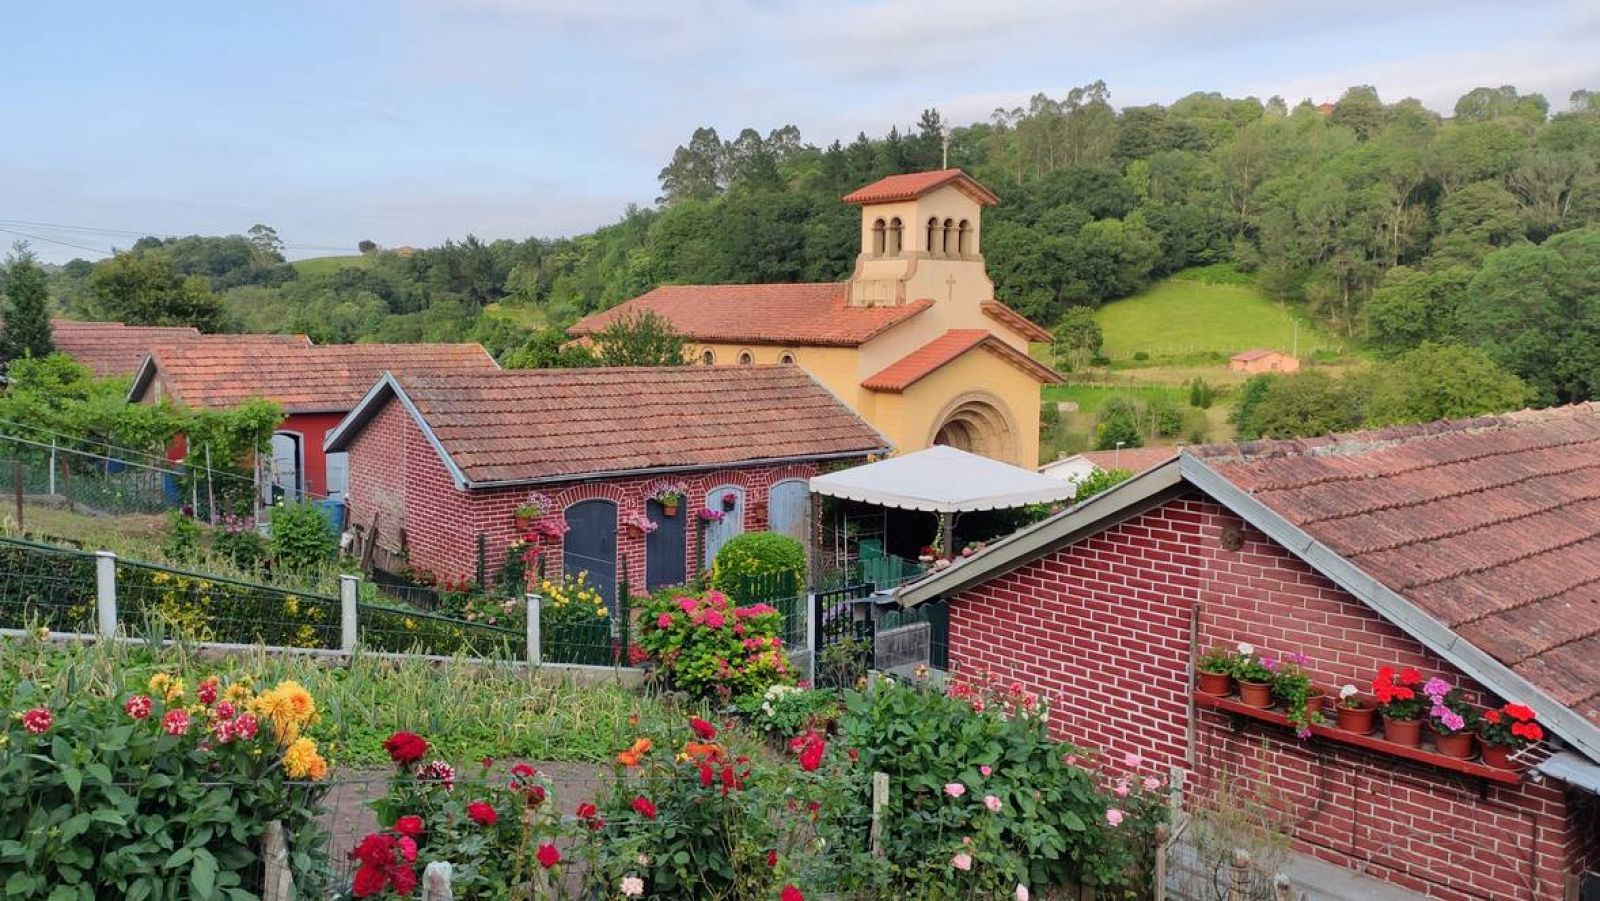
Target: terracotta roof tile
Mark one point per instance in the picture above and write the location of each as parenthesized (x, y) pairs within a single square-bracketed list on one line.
[(906, 371), (1490, 525), (113, 349), (304, 379), (912, 185), (1033, 331), (799, 314), (553, 424)]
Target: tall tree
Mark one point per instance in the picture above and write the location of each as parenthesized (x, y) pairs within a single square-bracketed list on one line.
[(640, 339), (143, 289), (27, 307), (697, 170)]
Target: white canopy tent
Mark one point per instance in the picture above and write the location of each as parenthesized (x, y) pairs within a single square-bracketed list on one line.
[(945, 481)]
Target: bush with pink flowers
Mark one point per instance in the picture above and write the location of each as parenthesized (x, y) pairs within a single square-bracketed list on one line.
[(709, 647)]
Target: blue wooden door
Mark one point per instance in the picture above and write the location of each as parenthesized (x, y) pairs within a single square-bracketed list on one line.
[(664, 549), (590, 546), (718, 533), (789, 509)]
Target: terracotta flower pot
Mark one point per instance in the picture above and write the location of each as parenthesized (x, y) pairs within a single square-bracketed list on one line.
[(1458, 745), (1219, 684), (669, 510), (1255, 694), (1499, 757), (1355, 719), (1403, 732), (524, 523)]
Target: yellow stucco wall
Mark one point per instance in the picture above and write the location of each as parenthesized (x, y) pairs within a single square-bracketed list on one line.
[(912, 418)]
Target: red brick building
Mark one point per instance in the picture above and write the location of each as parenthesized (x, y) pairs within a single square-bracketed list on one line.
[(436, 461), (315, 384), (1470, 550)]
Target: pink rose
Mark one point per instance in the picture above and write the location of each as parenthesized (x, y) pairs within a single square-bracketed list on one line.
[(1114, 816), (991, 802), (986, 770), (1151, 783), (1132, 760), (955, 789), (962, 861), (664, 621)]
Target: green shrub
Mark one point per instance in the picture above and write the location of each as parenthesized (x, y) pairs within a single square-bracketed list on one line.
[(183, 537), (784, 711), (301, 537), (756, 556), (709, 647), (238, 542)]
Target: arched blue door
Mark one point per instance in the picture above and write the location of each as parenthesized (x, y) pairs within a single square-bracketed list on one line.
[(718, 533), (664, 549), (789, 509), (590, 546)]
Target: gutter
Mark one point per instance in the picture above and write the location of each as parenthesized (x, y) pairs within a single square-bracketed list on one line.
[(688, 467)]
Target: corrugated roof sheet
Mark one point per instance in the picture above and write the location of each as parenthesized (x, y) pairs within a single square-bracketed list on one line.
[(551, 424), (1490, 525)]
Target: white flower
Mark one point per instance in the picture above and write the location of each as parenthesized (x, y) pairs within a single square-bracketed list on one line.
[(1348, 692), (1022, 892), (644, 860), (632, 886), (1246, 648)]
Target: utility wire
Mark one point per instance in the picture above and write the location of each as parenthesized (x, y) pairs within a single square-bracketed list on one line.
[(120, 232), (33, 237)]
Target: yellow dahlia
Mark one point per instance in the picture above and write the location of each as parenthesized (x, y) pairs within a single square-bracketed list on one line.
[(301, 760)]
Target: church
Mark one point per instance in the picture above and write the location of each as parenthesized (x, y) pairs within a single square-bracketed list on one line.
[(915, 341)]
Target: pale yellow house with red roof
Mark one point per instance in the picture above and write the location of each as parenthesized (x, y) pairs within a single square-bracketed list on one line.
[(915, 341)]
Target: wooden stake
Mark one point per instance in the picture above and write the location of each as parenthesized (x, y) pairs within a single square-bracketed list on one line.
[(880, 802)]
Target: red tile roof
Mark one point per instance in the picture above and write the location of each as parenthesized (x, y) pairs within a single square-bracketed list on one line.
[(799, 314), (113, 349), (1491, 526), (1246, 356), (922, 362), (915, 184), (536, 425), (329, 378), (1019, 323)]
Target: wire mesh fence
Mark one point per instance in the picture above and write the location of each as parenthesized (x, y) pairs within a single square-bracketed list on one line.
[(44, 586), (200, 607), (401, 630)]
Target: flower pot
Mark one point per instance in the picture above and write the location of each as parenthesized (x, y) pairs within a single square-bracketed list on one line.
[(1219, 684), (1403, 732), (1255, 694), (1355, 719), (524, 523), (1499, 757), (669, 510), (729, 503), (1457, 745)]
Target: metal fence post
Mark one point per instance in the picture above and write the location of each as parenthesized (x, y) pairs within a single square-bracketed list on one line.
[(105, 593), (349, 592), (534, 655)]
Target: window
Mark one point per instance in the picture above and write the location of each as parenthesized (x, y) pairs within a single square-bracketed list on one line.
[(786, 358), (949, 237), (877, 238), (894, 236), (709, 357), (933, 235), (746, 358), (338, 475), (963, 242)]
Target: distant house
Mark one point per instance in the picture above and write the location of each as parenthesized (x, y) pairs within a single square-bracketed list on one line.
[(1260, 360), (111, 349), (1325, 109), (315, 384), (439, 464), (915, 341), (1469, 550), (1078, 467)]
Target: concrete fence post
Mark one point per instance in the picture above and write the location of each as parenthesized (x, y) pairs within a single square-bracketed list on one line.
[(105, 593), (880, 803), (349, 593), (534, 653)]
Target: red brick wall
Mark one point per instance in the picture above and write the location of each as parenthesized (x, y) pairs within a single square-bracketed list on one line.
[(396, 474), (1103, 629)]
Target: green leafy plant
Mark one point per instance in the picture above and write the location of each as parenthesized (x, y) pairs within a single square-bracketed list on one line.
[(1292, 686), (1248, 665), (753, 555), (783, 711), (183, 537), (1218, 660), (710, 647), (301, 537)]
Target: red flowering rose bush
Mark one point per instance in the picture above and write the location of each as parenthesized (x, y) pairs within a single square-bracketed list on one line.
[(709, 647), (115, 790), (497, 830), (684, 817)]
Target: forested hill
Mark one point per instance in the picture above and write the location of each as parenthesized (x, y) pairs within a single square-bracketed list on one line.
[(1379, 217)]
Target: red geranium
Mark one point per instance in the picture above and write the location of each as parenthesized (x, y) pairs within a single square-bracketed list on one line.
[(644, 808), (1519, 712), (702, 729), (548, 855), (481, 813), (409, 825), (1511, 726), (590, 815), (405, 747)]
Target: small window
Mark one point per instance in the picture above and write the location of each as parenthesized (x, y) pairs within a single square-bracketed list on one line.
[(894, 236), (933, 235), (949, 237), (877, 238), (745, 358), (709, 357), (786, 358), (964, 244)]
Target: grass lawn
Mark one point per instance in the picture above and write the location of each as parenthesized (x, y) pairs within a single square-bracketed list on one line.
[(526, 317), (329, 265), (1176, 318)]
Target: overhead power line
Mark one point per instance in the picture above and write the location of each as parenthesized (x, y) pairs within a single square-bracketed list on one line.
[(8, 224)]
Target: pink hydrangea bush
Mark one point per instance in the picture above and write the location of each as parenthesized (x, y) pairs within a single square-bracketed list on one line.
[(709, 647)]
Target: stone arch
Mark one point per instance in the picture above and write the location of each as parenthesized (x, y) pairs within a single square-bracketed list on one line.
[(746, 357), (981, 423), (933, 236), (708, 357), (949, 237)]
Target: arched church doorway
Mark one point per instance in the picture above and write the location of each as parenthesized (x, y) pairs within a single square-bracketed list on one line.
[(979, 425)]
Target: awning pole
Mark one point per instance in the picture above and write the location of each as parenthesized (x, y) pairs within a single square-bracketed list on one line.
[(947, 534)]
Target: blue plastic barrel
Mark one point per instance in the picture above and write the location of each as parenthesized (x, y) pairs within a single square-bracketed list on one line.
[(333, 512)]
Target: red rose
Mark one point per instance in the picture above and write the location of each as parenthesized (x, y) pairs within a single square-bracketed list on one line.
[(405, 747), (790, 893), (481, 813), (590, 814), (811, 754), (730, 781), (409, 825), (772, 858), (548, 855), (404, 880), (702, 729), (376, 850), (644, 808), (524, 771), (535, 795), (368, 882)]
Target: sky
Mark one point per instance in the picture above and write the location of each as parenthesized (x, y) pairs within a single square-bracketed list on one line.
[(413, 121)]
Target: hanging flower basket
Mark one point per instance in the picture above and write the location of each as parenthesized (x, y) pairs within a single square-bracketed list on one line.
[(669, 495), (710, 515), (729, 501)]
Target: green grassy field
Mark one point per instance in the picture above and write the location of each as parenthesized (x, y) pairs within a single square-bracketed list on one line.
[(1182, 319), (527, 317), (326, 265)]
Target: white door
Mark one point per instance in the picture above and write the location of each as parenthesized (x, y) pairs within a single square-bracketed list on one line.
[(338, 475), (718, 533), (284, 478)]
